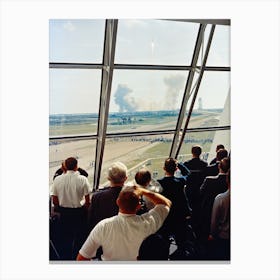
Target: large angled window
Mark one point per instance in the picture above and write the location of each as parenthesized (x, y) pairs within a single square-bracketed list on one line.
[(150, 71)]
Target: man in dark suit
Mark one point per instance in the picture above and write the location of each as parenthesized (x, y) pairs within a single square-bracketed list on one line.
[(213, 169), (103, 202), (173, 188), (196, 163), (211, 187), (196, 178)]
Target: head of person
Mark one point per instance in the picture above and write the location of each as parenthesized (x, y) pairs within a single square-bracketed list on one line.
[(143, 177), (128, 200), (153, 247), (117, 173), (224, 165), (170, 165), (222, 153), (71, 163), (196, 151), (63, 167), (219, 146)]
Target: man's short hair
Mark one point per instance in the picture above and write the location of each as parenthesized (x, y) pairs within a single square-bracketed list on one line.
[(117, 172), (71, 163), (143, 177), (225, 164), (170, 165), (219, 146), (154, 247), (196, 150), (222, 153), (128, 200)]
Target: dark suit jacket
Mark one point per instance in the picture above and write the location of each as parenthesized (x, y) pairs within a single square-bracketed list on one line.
[(103, 205), (212, 170), (197, 168), (173, 189), (211, 187), (213, 161), (196, 164), (176, 223)]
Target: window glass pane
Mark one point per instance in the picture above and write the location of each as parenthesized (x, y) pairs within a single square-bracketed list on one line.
[(137, 152), (74, 101), (207, 140), (161, 42), (76, 40), (204, 44), (83, 150), (145, 100), (211, 100), (219, 54)]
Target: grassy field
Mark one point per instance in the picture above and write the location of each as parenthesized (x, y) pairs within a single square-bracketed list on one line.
[(149, 151)]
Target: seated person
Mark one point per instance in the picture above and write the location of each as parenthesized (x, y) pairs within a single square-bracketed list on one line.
[(121, 236)]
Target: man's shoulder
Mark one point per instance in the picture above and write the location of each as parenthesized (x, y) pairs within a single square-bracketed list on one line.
[(210, 180), (222, 198), (106, 192), (159, 208)]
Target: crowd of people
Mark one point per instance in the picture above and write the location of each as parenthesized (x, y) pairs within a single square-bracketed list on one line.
[(130, 221)]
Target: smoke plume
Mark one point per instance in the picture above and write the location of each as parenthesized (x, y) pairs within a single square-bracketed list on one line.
[(174, 84), (124, 99)]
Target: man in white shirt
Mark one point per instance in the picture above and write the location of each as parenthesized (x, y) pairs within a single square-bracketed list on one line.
[(68, 190), (121, 236)]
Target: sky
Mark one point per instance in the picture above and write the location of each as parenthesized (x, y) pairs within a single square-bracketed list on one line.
[(138, 42)]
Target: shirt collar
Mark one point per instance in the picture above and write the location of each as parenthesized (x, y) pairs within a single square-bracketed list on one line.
[(125, 215)]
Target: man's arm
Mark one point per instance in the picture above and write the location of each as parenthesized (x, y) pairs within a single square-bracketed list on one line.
[(203, 187), (55, 200), (156, 198), (87, 201), (184, 170), (81, 258)]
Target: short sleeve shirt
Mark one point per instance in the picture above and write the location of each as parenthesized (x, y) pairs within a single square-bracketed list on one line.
[(70, 188), (121, 236)]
